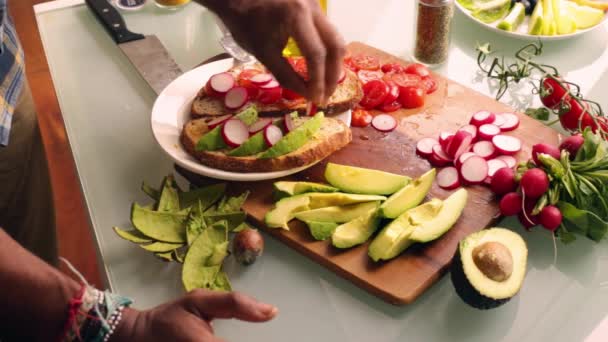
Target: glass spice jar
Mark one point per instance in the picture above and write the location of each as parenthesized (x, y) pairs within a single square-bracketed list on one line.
[(433, 31)]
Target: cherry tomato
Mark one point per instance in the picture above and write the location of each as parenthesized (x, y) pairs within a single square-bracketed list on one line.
[(552, 93), (363, 62), (389, 107), (367, 75), (404, 80), (429, 84), (417, 69), (244, 80), (572, 117), (289, 94), (361, 118), (270, 96), (412, 97), (375, 93), (392, 67), (393, 93)]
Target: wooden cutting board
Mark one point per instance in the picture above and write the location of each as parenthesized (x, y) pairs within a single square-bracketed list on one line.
[(403, 279)]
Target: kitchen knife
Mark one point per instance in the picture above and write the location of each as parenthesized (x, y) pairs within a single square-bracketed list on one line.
[(146, 53)]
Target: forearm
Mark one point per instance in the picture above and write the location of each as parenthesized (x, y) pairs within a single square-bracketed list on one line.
[(34, 295)]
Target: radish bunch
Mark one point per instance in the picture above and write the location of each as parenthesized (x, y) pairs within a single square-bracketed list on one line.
[(474, 153)]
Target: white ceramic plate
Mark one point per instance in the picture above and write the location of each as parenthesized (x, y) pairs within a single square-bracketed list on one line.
[(172, 110), (522, 32)]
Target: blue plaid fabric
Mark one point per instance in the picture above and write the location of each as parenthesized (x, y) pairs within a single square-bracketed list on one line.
[(11, 72)]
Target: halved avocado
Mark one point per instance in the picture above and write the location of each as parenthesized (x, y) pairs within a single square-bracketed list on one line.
[(489, 267)]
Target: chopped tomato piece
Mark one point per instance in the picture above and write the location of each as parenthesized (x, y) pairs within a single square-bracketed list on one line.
[(417, 69), (393, 67), (289, 94), (391, 106), (393, 92), (270, 96), (367, 75), (412, 97), (348, 63), (429, 84), (375, 93), (364, 62), (299, 66), (361, 118)]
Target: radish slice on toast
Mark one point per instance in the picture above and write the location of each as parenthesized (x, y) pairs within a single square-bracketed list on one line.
[(261, 79), (236, 98), (219, 120), (259, 125), (235, 132), (222, 83), (272, 134)]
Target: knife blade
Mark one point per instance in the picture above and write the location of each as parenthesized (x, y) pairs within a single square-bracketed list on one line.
[(146, 53)]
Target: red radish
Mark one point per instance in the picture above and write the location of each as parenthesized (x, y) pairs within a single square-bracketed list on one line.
[(222, 83), (219, 120), (482, 117), (572, 145), (270, 85), (546, 149), (259, 125), (272, 134), (447, 178), (290, 125), (474, 170), (527, 219), (444, 139), (384, 123), (506, 144), (459, 144), (503, 181), (534, 183), (210, 92), (424, 147), (462, 159), (499, 120), (236, 98), (235, 132), (495, 165), (439, 158), (484, 149), (261, 79), (471, 129), (488, 131), (509, 160), (511, 122), (510, 204), (550, 217), (342, 76)]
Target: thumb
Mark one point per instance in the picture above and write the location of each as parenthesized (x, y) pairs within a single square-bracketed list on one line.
[(210, 304)]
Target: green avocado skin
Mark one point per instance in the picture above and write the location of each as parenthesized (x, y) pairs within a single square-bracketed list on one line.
[(467, 292)]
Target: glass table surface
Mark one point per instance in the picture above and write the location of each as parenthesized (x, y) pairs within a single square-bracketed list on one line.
[(106, 108)]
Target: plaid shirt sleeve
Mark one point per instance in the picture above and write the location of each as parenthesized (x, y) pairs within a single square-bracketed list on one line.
[(12, 73)]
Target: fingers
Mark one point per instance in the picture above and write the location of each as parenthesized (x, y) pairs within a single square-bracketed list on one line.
[(209, 305), (284, 73), (335, 47), (310, 43)]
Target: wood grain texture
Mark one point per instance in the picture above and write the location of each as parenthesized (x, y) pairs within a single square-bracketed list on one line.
[(403, 279)]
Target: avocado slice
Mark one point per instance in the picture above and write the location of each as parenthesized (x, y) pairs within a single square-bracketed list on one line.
[(213, 140), (134, 235), (364, 181), (285, 210), (357, 231), (253, 145), (537, 22), (512, 21), (489, 267), (323, 200), (491, 11), (429, 230), (395, 237), (337, 214), (161, 226), (296, 138), (410, 196), (284, 189), (321, 230)]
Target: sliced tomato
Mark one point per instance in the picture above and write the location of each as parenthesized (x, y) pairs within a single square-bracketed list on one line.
[(367, 75), (392, 67), (270, 96), (404, 80), (391, 106), (299, 66), (361, 118), (429, 84), (417, 69), (244, 80), (364, 62), (289, 94), (412, 97), (375, 93), (348, 63), (393, 93)]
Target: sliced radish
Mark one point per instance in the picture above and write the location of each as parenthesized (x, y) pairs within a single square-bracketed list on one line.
[(219, 120), (484, 149), (235, 132), (498, 121), (474, 170), (440, 155), (290, 125), (445, 143), (482, 117), (462, 158), (261, 79), (511, 122), (509, 160), (259, 125), (443, 136), (270, 85), (495, 165), (272, 134), (222, 83), (488, 131), (236, 98), (460, 144), (448, 178), (424, 147), (507, 144), (384, 123), (471, 129)]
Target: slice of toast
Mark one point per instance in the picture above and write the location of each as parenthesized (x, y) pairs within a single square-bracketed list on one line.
[(332, 136), (347, 95)]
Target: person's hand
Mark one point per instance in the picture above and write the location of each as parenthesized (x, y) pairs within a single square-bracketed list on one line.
[(263, 26), (189, 318)]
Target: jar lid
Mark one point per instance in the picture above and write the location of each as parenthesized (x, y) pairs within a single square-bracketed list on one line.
[(130, 5)]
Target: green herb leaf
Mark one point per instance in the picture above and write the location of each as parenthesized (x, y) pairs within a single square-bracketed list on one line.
[(583, 221), (541, 114)]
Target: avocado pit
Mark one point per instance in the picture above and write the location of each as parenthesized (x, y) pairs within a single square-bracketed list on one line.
[(494, 260)]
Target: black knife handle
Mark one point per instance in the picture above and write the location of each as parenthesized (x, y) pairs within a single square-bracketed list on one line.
[(112, 21)]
